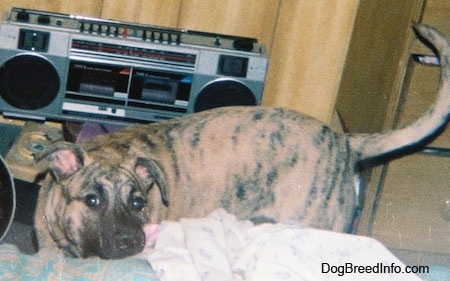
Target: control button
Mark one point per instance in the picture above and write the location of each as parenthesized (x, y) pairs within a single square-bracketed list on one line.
[(44, 20), (217, 42), (23, 16), (89, 27), (243, 44), (144, 35)]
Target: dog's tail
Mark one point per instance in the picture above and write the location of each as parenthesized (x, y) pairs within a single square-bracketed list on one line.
[(421, 131)]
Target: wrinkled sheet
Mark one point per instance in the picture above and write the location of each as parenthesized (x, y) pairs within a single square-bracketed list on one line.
[(220, 247)]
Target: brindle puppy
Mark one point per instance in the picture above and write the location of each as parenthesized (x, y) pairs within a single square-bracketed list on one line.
[(263, 164)]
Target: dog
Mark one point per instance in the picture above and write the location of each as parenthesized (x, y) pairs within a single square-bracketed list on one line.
[(263, 164)]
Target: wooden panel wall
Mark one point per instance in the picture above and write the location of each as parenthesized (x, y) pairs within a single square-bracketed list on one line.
[(375, 67), (307, 40), (83, 7), (308, 55), (251, 18), (154, 12)]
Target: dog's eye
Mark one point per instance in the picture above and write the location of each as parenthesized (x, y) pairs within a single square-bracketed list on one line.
[(138, 204), (92, 200)]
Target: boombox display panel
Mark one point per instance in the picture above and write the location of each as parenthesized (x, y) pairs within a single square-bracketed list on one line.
[(65, 67)]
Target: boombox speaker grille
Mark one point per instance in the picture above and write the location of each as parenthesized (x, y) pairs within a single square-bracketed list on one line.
[(224, 93), (28, 82)]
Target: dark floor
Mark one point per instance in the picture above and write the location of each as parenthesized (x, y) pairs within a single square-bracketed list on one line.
[(21, 230), (22, 236), (8, 136)]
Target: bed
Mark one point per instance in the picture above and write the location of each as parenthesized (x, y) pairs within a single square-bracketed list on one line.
[(219, 247)]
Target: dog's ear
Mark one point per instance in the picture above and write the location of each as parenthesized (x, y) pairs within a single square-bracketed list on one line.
[(64, 159), (150, 172)]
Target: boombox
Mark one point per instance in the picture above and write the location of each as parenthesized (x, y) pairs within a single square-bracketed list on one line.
[(66, 67)]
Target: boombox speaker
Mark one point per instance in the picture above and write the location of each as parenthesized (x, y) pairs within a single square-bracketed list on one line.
[(28, 82), (65, 67)]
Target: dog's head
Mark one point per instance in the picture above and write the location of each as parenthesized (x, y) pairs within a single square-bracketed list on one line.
[(98, 209)]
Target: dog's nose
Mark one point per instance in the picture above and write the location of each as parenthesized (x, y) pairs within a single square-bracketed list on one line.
[(123, 244), (130, 241)]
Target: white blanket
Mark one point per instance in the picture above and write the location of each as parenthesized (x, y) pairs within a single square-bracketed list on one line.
[(220, 247)]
